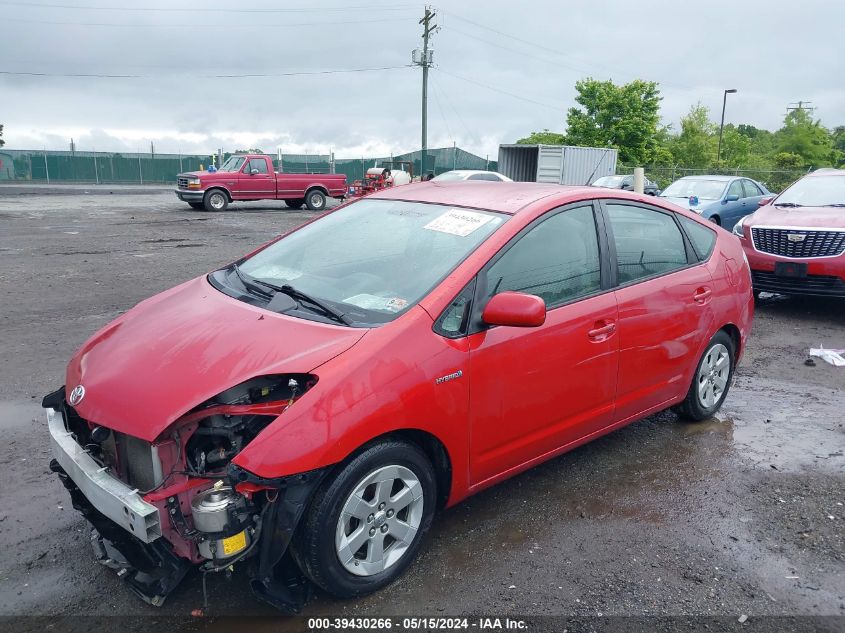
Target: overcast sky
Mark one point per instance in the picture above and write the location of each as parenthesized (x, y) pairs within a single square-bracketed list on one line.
[(502, 69)]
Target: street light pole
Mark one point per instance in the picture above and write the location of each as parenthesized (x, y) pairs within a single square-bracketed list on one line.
[(722, 124)]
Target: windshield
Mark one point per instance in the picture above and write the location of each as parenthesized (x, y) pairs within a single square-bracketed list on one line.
[(703, 189), (374, 259), (815, 191), (609, 181), (451, 175), (233, 163)]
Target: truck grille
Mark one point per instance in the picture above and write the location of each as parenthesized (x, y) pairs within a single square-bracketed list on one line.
[(806, 243), (182, 183)]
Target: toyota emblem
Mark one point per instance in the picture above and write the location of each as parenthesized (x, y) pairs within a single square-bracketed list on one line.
[(76, 395)]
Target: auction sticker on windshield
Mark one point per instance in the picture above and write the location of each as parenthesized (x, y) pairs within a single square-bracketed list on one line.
[(458, 222)]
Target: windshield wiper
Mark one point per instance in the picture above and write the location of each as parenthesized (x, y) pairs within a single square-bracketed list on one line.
[(251, 285), (301, 296), (833, 204), (788, 204)]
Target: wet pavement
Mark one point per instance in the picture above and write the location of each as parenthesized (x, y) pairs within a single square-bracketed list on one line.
[(742, 514)]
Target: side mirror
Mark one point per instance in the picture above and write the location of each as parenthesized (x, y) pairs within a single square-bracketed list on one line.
[(515, 309), (731, 197), (766, 200), (253, 172)]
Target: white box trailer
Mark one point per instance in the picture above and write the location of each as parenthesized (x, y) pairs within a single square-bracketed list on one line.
[(563, 164)]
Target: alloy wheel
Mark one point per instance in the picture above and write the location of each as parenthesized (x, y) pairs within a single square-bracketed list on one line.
[(713, 374), (379, 520)]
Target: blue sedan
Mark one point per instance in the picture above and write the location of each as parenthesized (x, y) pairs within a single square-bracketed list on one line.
[(724, 200)]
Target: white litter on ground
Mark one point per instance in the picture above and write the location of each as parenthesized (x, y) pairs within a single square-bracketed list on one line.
[(835, 357)]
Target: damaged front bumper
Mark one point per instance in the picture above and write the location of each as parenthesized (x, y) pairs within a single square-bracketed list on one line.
[(130, 535)]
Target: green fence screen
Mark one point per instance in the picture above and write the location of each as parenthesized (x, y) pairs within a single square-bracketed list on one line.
[(137, 168)]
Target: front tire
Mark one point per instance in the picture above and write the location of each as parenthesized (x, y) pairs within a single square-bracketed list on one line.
[(215, 200), (364, 527), (315, 200), (711, 380)]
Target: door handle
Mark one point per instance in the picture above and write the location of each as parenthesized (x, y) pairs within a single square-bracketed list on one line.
[(702, 295), (602, 331)]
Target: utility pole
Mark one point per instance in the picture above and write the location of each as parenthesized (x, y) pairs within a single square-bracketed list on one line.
[(423, 58), (722, 124), (801, 105)]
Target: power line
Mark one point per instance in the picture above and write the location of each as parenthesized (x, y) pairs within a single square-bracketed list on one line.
[(436, 83), (379, 7), (233, 76), (604, 69), (517, 51), (201, 26), (504, 92)]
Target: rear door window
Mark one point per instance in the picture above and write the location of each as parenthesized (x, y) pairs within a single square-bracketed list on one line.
[(703, 239), (648, 242)]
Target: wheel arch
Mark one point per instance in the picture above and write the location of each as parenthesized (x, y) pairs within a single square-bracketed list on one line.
[(321, 188), (429, 444), (733, 331), (221, 188)]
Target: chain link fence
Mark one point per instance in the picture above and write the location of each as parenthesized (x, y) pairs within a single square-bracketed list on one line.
[(148, 168)]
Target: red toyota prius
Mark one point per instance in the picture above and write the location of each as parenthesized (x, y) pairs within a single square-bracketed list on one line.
[(307, 409)]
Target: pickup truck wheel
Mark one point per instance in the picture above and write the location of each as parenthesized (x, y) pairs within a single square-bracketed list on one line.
[(364, 526), (316, 200), (295, 204), (215, 200)]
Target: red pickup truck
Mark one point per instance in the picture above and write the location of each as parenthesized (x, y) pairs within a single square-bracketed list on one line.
[(251, 177)]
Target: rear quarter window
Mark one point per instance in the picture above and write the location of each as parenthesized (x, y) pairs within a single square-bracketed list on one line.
[(703, 239)]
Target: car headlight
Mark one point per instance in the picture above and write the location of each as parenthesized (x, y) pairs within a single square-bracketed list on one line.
[(737, 230)]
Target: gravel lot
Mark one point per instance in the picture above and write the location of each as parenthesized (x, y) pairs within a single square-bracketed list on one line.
[(738, 515)]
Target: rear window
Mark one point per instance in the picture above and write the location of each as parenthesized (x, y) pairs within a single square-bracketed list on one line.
[(702, 238)]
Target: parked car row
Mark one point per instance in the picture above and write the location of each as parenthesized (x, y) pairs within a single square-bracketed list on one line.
[(794, 241)]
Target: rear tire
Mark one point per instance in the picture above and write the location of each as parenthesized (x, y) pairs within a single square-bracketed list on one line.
[(715, 220), (711, 380), (359, 535), (295, 204), (316, 200), (215, 200)]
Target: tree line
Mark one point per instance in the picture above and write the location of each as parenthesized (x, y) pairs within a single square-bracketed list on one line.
[(627, 117)]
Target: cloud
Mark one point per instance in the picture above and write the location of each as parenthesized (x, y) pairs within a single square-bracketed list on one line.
[(490, 84)]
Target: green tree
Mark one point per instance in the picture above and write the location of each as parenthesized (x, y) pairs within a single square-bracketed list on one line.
[(543, 138), (2, 142), (695, 146), (838, 138), (736, 148), (802, 136), (626, 117)]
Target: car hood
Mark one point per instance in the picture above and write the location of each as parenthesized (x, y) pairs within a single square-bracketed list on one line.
[(800, 217), (174, 351), (208, 174), (684, 203)]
